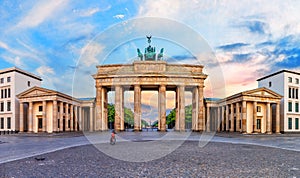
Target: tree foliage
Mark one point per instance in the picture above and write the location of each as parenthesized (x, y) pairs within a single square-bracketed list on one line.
[(171, 117)]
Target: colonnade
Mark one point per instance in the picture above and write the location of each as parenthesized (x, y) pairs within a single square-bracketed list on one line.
[(197, 114), (242, 117), (55, 116)]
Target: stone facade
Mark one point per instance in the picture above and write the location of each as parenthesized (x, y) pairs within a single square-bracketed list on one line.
[(150, 75), (44, 110), (253, 111)]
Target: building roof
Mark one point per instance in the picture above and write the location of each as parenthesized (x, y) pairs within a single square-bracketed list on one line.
[(289, 71), (212, 99), (86, 99), (15, 69), (39, 91)]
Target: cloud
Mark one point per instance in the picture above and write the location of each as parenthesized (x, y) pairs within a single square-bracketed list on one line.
[(87, 12), (89, 54), (119, 16), (16, 61), (3, 45), (233, 46), (28, 54), (45, 70), (42, 11)]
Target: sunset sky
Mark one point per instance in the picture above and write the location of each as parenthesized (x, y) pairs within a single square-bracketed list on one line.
[(62, 41)]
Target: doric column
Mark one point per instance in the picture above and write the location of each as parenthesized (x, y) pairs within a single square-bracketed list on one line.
[(244, 116), (162, 107), (21, 129), (222, 119), (30, 117), (277, 118), (269, 119), (67, 117), (81, 120), (122, 109), (218, 119), (137, 107), (71, 117), (181, 108), (252, 124), (91, 119), (231, 118), (104, 109), (76, 118), (177, 109), (61, 116), (44, 117), (118, 111), (227, 117), (195, 108), (208, 118), (238, 117), (99, 107), (54, 116), (201, 119)]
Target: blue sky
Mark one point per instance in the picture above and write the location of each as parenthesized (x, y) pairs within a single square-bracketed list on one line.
[(63, 40)]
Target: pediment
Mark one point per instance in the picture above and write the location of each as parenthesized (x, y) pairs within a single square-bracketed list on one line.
[(263, 92), (35, 92)]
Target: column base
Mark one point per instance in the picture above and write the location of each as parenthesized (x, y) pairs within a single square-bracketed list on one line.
[(269, 133)]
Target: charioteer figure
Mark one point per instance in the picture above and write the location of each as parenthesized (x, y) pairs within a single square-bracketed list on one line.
[(150, 54)]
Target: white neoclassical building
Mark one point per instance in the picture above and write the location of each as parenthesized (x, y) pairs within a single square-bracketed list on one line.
[(12, 82), (286, 83)]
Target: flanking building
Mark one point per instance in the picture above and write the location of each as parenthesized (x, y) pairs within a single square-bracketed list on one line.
[(252, 111), (13, 81), (44, 110), (285, 83)]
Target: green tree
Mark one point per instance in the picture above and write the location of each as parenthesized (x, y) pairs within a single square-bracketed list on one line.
[(128, 117), (171, 117), (111, 115), (188, 116), (111, 112), (145, 123)]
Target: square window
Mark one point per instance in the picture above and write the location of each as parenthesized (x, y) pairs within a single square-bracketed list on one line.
[(2, 80), (8, 79), (290, 79), (297, 81), (258, 108), (40, 108)]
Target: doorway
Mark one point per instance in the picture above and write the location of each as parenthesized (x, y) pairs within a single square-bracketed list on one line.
[(40, 124)]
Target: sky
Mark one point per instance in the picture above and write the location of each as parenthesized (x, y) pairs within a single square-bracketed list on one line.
[(237, 41)]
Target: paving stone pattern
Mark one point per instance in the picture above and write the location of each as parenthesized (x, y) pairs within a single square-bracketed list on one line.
[(189, 160)]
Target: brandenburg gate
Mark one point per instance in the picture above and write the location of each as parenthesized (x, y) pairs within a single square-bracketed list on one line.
[(150, 72)]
